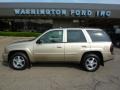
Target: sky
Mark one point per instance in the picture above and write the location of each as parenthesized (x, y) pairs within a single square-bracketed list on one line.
[(68, 1)]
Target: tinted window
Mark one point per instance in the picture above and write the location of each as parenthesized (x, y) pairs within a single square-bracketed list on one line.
[(98, 36), (52, 37), (75, 36)]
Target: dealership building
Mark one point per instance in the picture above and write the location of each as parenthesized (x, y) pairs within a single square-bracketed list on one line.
[(39, 17)]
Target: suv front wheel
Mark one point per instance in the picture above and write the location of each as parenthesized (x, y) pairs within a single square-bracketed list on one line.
[(18, 61), (91, 62)]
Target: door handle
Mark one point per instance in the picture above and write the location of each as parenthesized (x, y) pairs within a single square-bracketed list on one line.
[(59, 47), (84, 46)]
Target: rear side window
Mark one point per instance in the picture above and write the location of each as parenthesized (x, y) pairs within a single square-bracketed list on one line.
[(98, 36), (75, 36)]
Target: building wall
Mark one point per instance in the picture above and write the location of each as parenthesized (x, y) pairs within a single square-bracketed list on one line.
[(65, 23), (73, 10)]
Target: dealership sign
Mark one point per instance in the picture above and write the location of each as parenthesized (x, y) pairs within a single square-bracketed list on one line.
[(63, 12)]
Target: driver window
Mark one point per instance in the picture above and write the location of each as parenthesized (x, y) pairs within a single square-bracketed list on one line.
[(52, 37)]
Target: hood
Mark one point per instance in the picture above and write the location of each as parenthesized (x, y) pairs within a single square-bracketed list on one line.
[(20, 44), (21, 41)]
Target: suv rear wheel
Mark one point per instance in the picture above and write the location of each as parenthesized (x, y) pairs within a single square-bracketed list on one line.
[(91, 62), (18, 61)]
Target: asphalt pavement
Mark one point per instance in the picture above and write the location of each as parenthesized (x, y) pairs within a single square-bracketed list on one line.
[(59, 76)]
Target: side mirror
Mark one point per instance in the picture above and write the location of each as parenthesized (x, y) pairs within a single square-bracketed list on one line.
[(39, 41)]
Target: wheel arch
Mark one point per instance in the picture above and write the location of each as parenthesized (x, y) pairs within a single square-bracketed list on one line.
[(98, 53), (21, 51)]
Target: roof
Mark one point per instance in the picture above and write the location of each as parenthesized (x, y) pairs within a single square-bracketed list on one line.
[(61, 5), (77, 28)]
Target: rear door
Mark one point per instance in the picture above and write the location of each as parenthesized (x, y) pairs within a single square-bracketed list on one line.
[(76, 45)]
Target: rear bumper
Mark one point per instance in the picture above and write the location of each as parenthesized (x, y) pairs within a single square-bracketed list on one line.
[(107, 56)]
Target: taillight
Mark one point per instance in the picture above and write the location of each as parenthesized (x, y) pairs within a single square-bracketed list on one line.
[(111, 49)]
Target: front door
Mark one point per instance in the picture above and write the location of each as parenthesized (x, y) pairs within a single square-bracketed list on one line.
[(51, 47)]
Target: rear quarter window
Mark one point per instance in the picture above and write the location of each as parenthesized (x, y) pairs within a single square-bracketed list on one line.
[(98, 36)]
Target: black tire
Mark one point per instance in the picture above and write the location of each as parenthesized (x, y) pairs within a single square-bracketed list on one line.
[(86, 63), (24, 61)]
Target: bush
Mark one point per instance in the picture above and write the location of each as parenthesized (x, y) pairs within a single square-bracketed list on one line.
[(20, 34)]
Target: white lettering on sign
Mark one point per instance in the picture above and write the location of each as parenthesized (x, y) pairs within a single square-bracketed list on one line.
[(63, 12), (81, 12), (103, 13), (17, 11)]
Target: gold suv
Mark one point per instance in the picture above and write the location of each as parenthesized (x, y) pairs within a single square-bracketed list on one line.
[(88, 46)]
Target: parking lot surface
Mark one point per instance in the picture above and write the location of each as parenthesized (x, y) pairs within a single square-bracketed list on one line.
[(59, 76)]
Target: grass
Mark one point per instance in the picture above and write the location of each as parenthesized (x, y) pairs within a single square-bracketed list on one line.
[(20, 34)]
